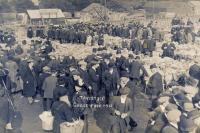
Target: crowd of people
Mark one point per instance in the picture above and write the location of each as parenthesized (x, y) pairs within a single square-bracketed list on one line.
[(182, 32), (69, 87)]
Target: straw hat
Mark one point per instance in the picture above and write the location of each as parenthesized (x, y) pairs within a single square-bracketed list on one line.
[(173, 115), (188, 107)]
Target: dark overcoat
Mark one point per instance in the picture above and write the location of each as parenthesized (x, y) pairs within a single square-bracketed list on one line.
[(29, 81), (120, 125), (62, 113), (155, 84)]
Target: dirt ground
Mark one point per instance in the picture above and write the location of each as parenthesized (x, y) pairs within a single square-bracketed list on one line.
[(32, 123)]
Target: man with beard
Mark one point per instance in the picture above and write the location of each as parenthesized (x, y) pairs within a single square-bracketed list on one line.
[(122, 107)]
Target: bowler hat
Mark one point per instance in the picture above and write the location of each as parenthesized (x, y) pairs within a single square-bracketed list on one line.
[(188, 106), (173, 115), (153, 66)]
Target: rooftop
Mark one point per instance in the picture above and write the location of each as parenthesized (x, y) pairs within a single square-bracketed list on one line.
[(45, 13)]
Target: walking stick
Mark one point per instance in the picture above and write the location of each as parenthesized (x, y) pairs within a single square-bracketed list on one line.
[(15, 117)]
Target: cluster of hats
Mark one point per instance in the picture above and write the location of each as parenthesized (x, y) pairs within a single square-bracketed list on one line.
[(184, 120), (178, 108)]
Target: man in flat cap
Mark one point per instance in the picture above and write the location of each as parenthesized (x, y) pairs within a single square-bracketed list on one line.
[(48, 86), (46, 72)]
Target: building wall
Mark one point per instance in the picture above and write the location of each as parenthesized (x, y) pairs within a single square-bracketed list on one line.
[(197, 10), (7, 17), (45, 21)]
